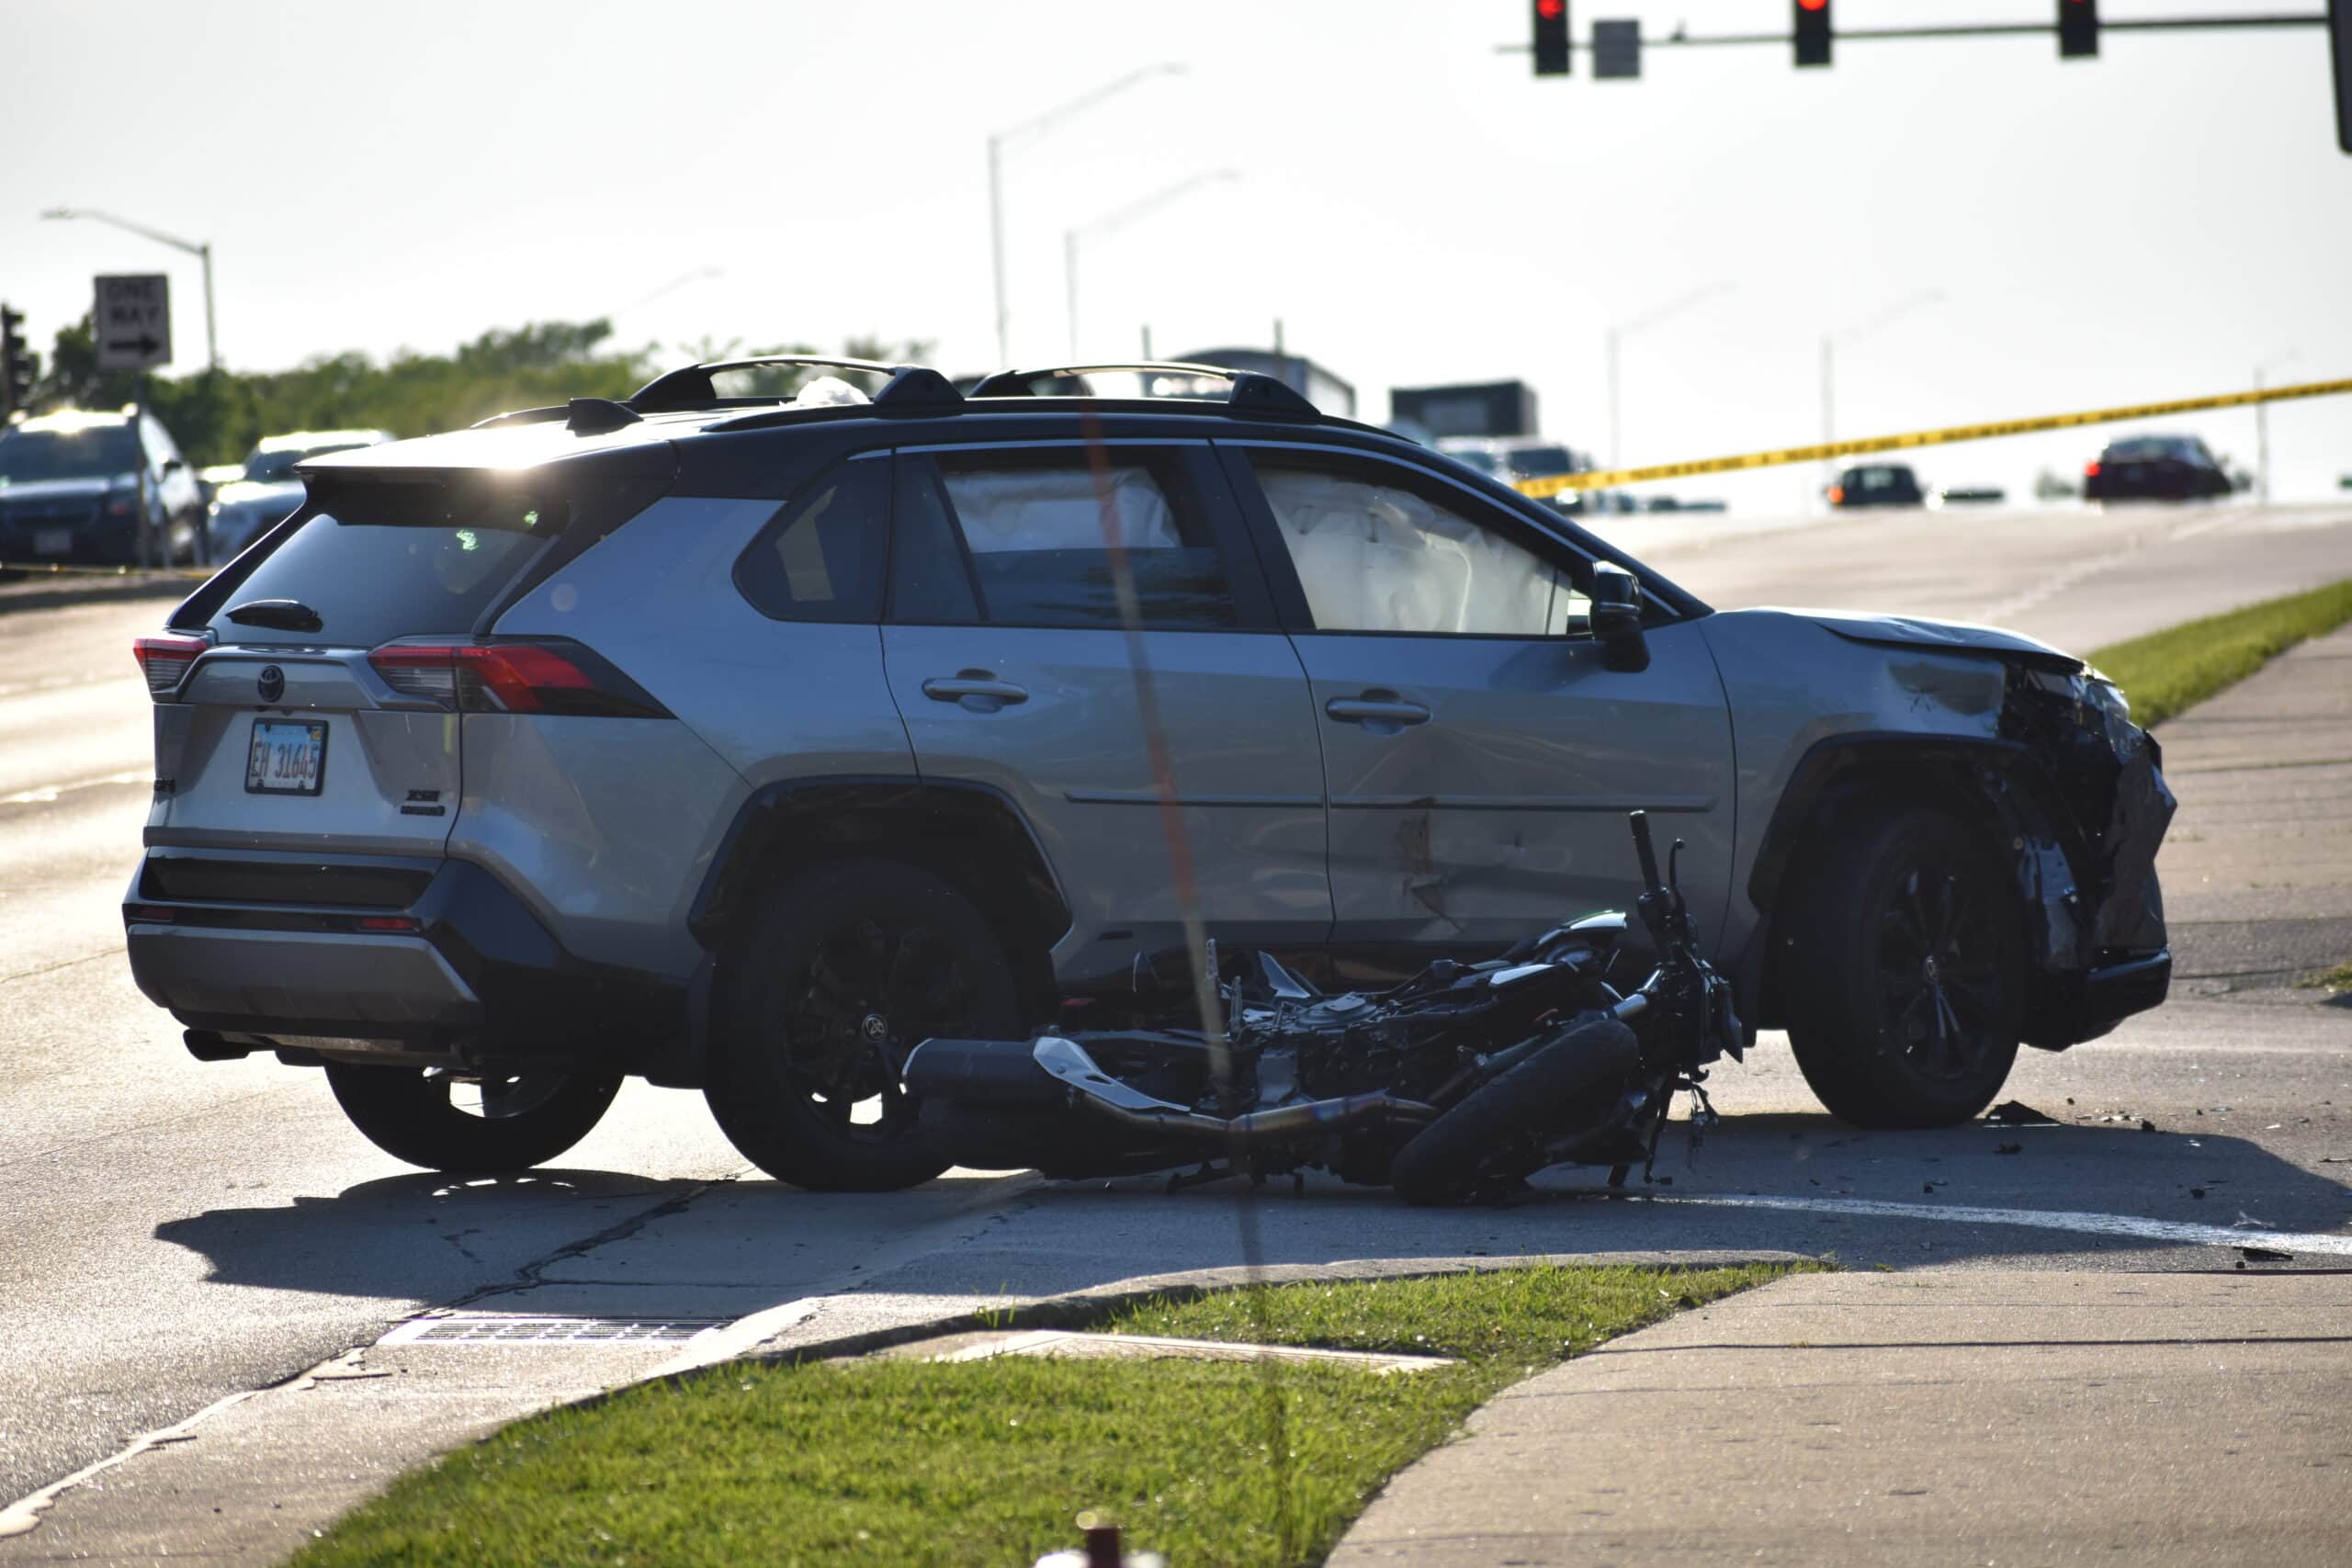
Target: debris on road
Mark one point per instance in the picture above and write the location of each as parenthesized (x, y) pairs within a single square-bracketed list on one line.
[(2009, 1148), (2264, 1254), (2018, 1113)]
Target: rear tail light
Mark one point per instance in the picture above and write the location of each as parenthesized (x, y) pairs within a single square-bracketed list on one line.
[(165, 661), (552, 676), (403, 923), (2090, 470), (1836, 495)]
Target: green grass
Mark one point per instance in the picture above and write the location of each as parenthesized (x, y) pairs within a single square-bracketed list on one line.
[(2168, 670), (2337, 979), (989, 1463)]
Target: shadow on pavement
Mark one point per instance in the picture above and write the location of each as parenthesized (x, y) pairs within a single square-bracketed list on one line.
[(573, 1238)]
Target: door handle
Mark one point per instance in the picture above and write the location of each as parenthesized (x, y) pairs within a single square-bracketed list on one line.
[(977, 684), (1376, 707)]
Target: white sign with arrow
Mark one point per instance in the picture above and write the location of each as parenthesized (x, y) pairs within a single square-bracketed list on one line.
[(133, 320)]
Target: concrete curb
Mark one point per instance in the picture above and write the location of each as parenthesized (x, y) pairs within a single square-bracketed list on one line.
[(48, 591), (1088, 1307)]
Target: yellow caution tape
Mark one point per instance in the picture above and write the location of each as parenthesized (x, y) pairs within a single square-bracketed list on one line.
[(1609, 478)]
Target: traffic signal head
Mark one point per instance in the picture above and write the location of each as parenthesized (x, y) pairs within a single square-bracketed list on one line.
[(1550, 37), (1812, 32), (15, 363), (2339, 38), (2077, 29)]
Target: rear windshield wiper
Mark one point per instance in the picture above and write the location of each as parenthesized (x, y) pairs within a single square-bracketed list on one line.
[(278, 614)]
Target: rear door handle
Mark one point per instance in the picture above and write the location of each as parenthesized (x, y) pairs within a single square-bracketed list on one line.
[(977, 689), (1371, 708)]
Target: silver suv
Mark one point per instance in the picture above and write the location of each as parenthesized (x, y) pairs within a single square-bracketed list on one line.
[(741, 738)]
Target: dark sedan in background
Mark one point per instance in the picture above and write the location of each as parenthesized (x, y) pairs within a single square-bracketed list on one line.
[(2156, 467)]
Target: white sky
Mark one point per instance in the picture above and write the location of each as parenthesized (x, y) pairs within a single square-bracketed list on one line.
[(1413, 205)]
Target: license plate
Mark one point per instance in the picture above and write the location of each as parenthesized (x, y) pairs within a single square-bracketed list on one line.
[(285, 759), (52, 541)]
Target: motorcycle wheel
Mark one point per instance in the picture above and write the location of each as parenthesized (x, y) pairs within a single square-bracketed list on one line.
[(1476, 1139)]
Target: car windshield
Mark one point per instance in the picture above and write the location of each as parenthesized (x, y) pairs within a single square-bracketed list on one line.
[(2151, 448), (277, 465), (94, 452)]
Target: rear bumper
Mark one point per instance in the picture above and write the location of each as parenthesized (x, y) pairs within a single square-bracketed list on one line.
[(475, 980)]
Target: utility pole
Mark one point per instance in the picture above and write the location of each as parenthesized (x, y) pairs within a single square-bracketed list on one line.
[(1111, 223), (1616, 333), (2262, 426)]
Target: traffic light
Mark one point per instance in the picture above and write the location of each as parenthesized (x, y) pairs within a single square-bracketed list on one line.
[(16, 363), (2339, 37), (1551, 38), (2077, 29), (1812, 32)]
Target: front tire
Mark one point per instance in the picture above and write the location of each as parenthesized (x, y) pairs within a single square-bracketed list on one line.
[(1478, 1139), (487, 1127), (845, 970), (1907, 993)]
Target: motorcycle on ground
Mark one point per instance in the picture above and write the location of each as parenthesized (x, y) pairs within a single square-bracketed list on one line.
[(1458, 1084)]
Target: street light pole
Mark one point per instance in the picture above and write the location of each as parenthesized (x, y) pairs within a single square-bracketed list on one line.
[(1111, 223), (1029, 130), (2262, 426), (1829, 341), (201, 251), (1616, 333)]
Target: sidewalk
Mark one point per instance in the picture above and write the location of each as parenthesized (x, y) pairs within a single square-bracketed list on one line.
[(1914, 1418), (2257, 867), (1983, 1418)]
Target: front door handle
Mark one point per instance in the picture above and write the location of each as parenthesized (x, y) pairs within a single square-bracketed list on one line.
[(1376, 707), (977, 689)]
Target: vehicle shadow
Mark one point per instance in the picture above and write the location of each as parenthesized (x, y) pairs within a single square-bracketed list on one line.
[(589, 1241)]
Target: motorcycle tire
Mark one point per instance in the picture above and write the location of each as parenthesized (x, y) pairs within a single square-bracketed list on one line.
[(1447, 1158)]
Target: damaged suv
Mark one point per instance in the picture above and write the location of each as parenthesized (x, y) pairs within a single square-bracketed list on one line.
[(742, 737)]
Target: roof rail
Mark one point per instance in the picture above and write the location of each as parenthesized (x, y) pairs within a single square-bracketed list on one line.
[(1251, 393), (524, 416), (690, 387)]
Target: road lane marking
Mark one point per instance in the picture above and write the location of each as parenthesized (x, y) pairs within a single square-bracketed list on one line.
[(2078, 1222), (41, 794)]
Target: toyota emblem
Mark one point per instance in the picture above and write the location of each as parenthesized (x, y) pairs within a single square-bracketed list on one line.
[(271, 684)]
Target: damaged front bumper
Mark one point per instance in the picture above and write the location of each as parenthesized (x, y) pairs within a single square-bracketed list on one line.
[(2089, 868)]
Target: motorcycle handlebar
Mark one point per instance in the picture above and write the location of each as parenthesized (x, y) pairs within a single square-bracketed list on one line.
[(1641, 823)]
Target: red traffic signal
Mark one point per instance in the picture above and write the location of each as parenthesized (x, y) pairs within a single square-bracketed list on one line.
[(1812, 32), (2077, 29), (1551, 38)]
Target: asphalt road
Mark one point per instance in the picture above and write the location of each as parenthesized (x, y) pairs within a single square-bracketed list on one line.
[(174, 1232)]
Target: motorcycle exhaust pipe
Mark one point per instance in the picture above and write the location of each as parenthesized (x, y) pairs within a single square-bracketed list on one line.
[(1065, 1060)]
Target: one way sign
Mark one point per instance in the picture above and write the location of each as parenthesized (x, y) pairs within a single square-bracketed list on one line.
[(134, 321)]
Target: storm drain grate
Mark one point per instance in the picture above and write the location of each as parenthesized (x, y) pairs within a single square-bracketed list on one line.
[(550, 1330)]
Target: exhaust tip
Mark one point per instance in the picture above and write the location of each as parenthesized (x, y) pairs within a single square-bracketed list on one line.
[(206, 1046)]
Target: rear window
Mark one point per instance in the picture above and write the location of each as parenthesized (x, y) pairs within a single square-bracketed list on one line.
[(381, 562), (100, 451)]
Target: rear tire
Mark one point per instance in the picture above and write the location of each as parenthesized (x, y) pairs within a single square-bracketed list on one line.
[(1449, 1155), (1906, 996), (415, 1114), (845, 970)]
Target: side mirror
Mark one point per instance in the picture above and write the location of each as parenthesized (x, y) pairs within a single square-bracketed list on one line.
[(1617, 619), (173, 465)]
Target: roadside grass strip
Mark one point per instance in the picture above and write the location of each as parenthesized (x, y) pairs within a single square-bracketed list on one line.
[(989, 1462), (2166, 671)]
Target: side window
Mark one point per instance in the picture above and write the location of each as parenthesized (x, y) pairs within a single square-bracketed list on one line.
[(821, 560), (1374, 557), (931, 582), (1035, 528)]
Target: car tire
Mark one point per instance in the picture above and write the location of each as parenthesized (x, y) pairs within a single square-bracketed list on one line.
[(415, 1114), (1906, 988), (845, 969)]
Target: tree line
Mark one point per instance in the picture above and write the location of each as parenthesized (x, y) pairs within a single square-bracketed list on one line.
[(217, 415)]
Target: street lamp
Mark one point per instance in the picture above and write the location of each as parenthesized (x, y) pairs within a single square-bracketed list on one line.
[(1111, 223), (1030, 130), (1616, 333), (202, 252), (1876, 324), (669, 288), (2262, 425)]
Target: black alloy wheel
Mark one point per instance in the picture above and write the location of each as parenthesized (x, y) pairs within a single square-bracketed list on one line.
[(847, 969), (1906, 991)]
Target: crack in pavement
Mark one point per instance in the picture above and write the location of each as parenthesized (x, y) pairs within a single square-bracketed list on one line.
[(530, 1276), (61, 964)]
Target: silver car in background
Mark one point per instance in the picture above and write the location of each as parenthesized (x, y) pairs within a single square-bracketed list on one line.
[(268, 489)]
